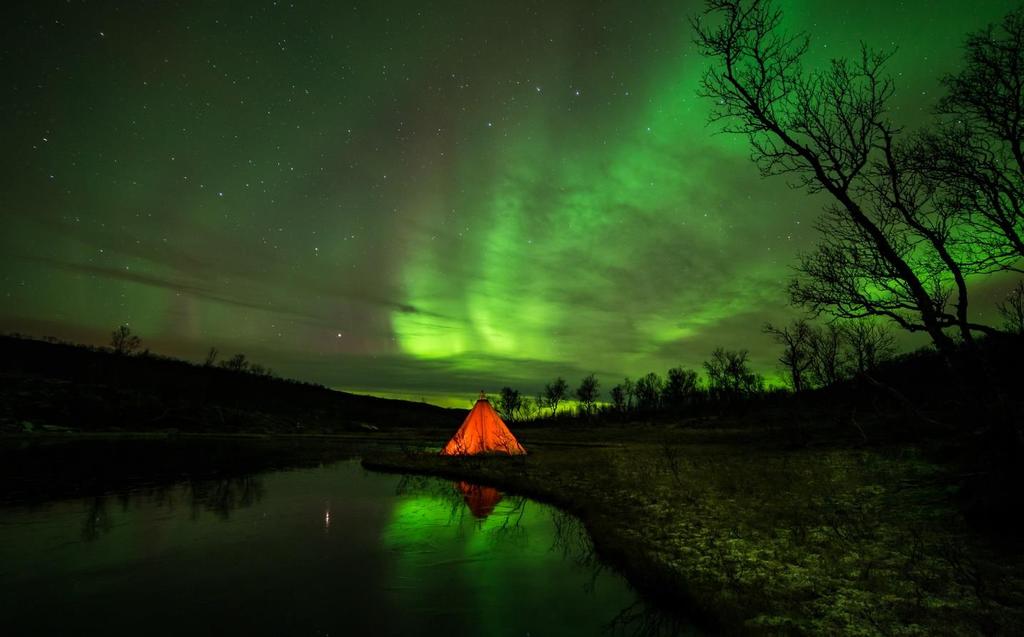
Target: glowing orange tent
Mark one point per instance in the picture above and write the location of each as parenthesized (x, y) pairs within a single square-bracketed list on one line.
[(483, 431)]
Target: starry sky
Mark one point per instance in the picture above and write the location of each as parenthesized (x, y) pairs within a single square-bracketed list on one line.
[(410, 199)]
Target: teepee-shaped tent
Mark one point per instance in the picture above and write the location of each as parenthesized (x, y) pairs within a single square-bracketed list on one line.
[(483, 431)]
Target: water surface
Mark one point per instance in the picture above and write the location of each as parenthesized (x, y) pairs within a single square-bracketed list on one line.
[(331, 550)]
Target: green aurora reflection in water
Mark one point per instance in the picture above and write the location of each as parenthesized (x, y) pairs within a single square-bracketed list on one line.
[(327, 550), (410, 200)]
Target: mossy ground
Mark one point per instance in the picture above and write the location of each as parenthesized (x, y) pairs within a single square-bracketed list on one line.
[(751, 537)]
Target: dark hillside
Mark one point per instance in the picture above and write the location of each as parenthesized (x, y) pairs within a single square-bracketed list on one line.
[(58, 386)]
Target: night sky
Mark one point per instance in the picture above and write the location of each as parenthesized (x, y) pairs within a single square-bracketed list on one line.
[(415, 199)]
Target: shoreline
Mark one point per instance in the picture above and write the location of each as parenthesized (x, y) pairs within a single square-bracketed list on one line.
[(722, 529), (657, 585), (743, 539)]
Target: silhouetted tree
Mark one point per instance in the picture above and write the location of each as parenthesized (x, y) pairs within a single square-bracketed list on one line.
[(122, 341), (260, 370), (211, 357), (975, 156), (730, 376), (648, 392), (870, 344), (236, 363), (510, 402), (827, 360), (931, 231), (1012, 309), (529, 409), (618, 397), (796, 355), (555, 392), (587, 393), (680, 387), (629, 388), (884, 251)]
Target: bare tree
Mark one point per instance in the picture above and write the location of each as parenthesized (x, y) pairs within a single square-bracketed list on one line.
[(510, 402), (260, 370), (827, 358), (530, 408), (618, 397), (870, 344), (587, 393), (629, 388), (730, 376), (919, 213), (556, 392), (236, 363), (976, 154), (828, 131), (1012, 309), (122, 341), (680, 387), (648, 390), (796, 355)]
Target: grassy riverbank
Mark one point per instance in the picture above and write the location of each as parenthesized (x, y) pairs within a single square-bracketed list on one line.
[(750, 537)]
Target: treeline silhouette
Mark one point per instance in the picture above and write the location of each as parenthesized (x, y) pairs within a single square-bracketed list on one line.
[(53, 385), (846, 387), (844, 379), (727, 380), (124, 342)]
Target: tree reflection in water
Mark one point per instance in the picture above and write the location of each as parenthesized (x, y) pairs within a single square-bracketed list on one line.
[(96, 521), (220, 496), (224, 496), (504, 517), (484, 515), (640, 619)]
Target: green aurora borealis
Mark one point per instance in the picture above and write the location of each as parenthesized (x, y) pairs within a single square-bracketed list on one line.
[(417, 199)]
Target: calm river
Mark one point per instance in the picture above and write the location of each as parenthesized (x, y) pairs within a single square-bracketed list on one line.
[(329, 550)]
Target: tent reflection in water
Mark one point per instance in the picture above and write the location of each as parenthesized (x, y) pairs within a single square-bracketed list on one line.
[(480, 500), (483, 431)]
